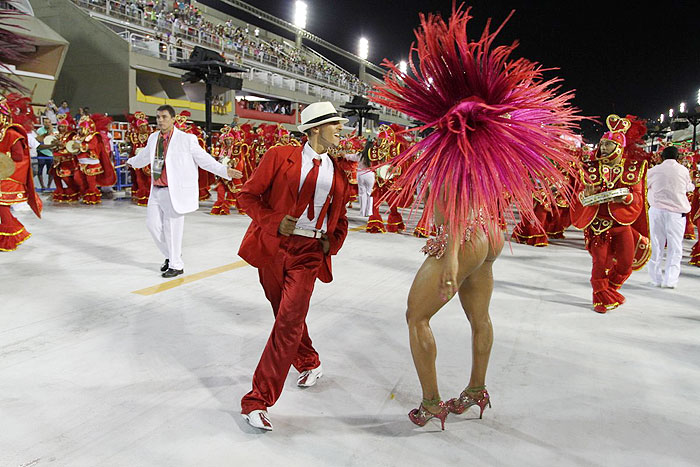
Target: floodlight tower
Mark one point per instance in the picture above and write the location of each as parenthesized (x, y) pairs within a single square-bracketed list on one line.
[(363, 53), (300, 10)]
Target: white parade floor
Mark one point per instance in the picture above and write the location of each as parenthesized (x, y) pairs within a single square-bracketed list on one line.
[(93, 374)]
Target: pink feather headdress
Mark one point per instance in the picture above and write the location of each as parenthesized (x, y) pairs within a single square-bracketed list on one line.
[(499, 129)]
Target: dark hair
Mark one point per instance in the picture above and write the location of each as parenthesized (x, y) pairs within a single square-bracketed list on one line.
[(167, 108), (364, 157), (670, 152)]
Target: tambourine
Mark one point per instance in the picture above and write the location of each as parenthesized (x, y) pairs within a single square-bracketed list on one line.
[(385, 172), (73, 146), (604, 196), (50, 140), (7, 165)]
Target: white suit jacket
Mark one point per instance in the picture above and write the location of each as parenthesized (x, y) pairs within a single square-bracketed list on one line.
[(181, 161)]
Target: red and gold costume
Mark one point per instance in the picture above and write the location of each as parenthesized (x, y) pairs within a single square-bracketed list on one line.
[(351, 145), (65, 168), (694, 214), (232, 151), (387, 146), (529, 232), (137, 137), (17, 179), (206, 179), (94, 157), (689, 160), (616, 231)]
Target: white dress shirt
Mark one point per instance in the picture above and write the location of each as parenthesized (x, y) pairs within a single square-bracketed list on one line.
[(324, 183), (667, 185)]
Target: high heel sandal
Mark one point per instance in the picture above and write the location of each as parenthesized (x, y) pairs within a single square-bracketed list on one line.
[(421, 415), (477, 395)]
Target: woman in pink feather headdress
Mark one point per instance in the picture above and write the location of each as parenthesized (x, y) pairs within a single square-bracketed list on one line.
[(497, 130)]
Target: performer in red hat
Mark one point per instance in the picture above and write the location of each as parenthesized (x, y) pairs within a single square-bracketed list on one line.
[(296, 199), (617, 177), (206, 179), (16, 177), (493, 119), (137, 137), (532, 232), (94, 157), (65, 168), (387, 147), (231, 151)]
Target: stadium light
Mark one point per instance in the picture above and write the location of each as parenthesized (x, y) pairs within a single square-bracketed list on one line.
[(661, 118), (364, 48), (682, 107), (300, 15), (403, 66), (698, 96), (670, 113)]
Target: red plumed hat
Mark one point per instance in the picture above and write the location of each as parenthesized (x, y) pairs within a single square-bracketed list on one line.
[(18, 109), (66, 120)]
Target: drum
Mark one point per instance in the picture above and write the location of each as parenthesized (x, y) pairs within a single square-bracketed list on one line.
[(604, 196)]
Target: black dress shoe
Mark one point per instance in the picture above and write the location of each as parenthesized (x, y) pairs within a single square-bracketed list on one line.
[(173, 272), (165, 266)]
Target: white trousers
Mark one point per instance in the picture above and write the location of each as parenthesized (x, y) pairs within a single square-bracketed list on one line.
[(365, 184), (665, 228), (166, 226)]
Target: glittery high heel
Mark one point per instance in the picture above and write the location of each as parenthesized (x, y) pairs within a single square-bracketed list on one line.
[(421, 415), (477, 395)]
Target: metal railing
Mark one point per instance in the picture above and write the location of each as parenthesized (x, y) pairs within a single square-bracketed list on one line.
[(253, 49), (147, 35)]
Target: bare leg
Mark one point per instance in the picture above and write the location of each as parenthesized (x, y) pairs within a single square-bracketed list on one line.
[(424, 302), (475, 296)]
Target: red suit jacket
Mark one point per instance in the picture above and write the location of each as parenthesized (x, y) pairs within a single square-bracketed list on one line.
[(271, 193)]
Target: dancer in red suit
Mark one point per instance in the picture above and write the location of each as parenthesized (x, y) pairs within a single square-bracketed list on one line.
[(94, 157), (387, 146), (695, 210), (296, 199), (65, 168), (231, 151), (689, 160), (16, 177), (532, 232), (206, 179), (137, 137), (616, 246)]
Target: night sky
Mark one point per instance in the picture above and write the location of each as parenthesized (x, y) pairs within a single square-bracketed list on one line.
[(618, 59)]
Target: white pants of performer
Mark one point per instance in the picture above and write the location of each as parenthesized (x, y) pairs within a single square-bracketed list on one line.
[(365, 184), (665, 227), (166, 226)]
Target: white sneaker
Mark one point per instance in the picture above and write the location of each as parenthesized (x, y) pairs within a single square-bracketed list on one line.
[(668, 286), (258, 419), (309, 377)]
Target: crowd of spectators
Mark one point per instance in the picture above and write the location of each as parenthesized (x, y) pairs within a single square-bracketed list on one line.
[(178, 20), (278, 107)]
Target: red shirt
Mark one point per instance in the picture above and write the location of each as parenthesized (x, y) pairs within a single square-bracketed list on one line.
[(163, 180)]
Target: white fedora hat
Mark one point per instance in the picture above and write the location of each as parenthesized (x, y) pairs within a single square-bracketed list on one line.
[(319, 113)]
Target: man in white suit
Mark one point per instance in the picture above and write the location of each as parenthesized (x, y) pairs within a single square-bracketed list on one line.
[(174, 157)]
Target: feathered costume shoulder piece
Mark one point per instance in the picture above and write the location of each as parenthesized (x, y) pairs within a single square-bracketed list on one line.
[(499, 129)]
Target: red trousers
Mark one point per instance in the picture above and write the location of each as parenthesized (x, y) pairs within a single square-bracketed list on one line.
[(613, 255), (288, 283)]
